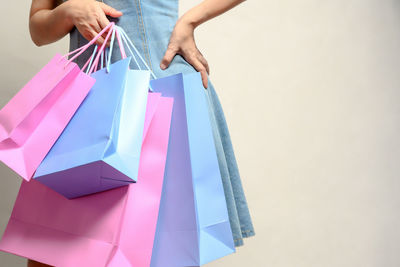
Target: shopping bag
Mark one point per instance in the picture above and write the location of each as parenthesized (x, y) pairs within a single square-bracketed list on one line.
[(114, 228), (193, 225), (33, 119), (100, 147)]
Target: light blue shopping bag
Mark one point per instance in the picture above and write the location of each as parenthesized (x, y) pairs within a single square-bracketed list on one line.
[(193, 225), (100, 147)]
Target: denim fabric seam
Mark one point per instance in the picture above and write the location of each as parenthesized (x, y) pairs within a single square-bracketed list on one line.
[(143, 35), (139, 23)]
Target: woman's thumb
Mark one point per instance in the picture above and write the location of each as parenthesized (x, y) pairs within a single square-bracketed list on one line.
[(169, 55)]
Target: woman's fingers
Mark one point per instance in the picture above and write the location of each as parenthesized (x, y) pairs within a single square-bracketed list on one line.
[(204, 78), (95, 26), (182, 43), (88, 33), (196, 63), (169, 55), (103, 22), (90, 18), (110, 11), (91, 33), (194, 59), (204, 62), (100, 41)]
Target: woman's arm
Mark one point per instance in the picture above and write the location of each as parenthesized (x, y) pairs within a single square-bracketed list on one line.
[(182, 39), (48, 23)]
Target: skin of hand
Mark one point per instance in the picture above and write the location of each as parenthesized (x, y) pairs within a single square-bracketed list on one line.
[(182, 42), (89, 17), (48, 23), (182, 38)]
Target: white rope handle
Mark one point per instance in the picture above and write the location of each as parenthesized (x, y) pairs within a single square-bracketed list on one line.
[(130, 43)]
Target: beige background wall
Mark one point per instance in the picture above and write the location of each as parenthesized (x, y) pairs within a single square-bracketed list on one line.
[(311, 90)]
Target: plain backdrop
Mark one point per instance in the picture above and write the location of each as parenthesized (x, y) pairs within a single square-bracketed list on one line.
[(310, 90)]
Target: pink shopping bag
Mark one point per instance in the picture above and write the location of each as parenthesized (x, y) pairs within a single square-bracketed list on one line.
[(115, 228), (34, 118)]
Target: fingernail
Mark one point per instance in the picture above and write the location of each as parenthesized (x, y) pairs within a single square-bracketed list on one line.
[(162, 66)]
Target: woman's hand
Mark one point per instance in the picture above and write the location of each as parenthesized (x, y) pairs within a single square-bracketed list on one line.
[(89, 17), (49, 22), (182, 38), (182, 42)]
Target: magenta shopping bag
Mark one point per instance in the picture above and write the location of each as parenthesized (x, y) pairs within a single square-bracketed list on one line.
[(114, 228), (33, 119)]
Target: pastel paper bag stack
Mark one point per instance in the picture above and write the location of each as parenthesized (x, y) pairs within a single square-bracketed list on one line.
[(34, 118), (100, 147), (115, 228), (176, 213)]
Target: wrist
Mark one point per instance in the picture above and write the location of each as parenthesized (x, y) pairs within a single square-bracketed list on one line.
[(188, 21), (195, 16)]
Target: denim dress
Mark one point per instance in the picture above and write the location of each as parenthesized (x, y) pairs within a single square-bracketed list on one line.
[(149, 24)]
